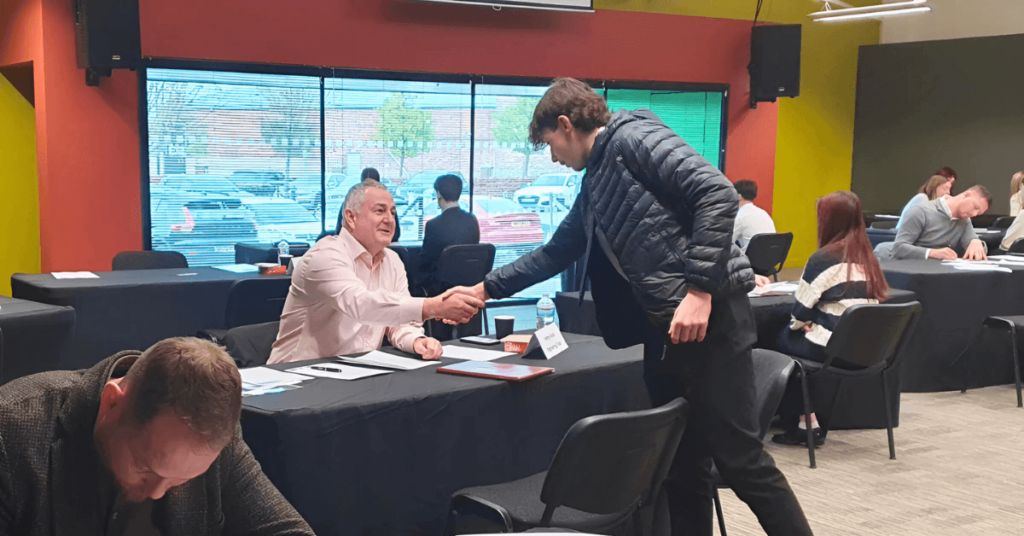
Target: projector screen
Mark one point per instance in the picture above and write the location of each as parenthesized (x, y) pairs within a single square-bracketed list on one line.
[(567, 5)]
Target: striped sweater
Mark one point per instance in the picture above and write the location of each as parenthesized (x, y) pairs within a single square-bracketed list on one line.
[(824, 293)]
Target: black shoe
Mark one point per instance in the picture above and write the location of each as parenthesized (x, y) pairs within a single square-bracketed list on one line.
[(799, 437)]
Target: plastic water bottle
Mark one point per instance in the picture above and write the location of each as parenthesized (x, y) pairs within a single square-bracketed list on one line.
[(282, 249), (545, 312)]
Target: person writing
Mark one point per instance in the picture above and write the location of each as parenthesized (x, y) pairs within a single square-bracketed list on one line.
[(142, 443), (934, 228), (653, 226), (350, 290), (935, 187), (842, 273)]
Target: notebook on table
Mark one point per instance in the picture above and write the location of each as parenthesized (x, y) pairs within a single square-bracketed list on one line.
[(497, 371)]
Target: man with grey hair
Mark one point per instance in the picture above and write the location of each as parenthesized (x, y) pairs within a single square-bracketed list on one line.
[(142, 443), (350, 290)]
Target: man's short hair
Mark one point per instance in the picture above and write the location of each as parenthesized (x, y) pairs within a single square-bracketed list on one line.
[(191, 377), (746, 189), (370, 173), (585, 109), (982, 192), (449, 187), (354, 199)]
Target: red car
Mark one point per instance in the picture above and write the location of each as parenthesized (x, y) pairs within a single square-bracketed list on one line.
[(502, 221)]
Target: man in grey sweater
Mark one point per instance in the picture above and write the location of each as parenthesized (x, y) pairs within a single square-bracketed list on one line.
[(940, 229)]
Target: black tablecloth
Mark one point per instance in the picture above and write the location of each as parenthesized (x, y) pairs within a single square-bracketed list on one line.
[(36, 337), (383, 455), (954, 304), (132, 309)]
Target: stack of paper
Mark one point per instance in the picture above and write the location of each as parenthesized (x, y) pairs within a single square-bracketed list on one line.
[(74, 275), (259, 380), (976, 266), (389, 361), (784, 287)]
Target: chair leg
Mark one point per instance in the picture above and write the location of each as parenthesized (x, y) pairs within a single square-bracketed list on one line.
[(807, 416), (888, 415), (718, 511), (1016, 364), (967, 372)]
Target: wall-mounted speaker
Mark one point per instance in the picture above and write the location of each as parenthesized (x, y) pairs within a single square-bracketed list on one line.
[(774, 62), (107, 37)]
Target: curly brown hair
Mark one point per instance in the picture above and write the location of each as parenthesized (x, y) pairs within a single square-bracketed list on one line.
[(585, 108)]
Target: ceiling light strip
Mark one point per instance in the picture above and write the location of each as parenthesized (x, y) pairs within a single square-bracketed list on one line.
[(875, 14), (879, 8)]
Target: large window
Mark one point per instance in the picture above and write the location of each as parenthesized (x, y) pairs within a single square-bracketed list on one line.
[(259, 158)]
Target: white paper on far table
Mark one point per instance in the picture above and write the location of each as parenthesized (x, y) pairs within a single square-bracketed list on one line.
[(386, 360), (74, 275), (348, 372), (472, 354), (783, 286)]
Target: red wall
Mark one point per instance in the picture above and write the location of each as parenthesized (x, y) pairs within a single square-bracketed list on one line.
[(90, 191)]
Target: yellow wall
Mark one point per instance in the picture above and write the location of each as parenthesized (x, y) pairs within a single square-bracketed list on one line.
[(19, 196), (814, 147)]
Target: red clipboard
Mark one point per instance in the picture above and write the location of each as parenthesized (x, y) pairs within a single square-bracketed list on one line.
[(495, 371)]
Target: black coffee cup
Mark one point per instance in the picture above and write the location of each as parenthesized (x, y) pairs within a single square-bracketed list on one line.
[(504, 326)]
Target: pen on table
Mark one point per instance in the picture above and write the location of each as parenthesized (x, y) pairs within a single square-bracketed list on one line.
[(193, 273), (326, 369)]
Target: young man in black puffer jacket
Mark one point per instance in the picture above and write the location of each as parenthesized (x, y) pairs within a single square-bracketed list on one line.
[(653, 225)]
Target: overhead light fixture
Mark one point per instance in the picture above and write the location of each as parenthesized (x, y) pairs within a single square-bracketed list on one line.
[(869, 12)]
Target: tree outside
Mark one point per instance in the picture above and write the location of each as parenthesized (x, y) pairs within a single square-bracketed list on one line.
[(175, 114), (406, 132), (513, 127), (292, 122)]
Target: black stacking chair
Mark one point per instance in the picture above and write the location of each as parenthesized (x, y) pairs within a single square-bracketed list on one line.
[(1002, 222), (868, 341), (606, 468), (250, 346), (251, 301), (767, 253), (148, 260), (884, 224), (771, 374), (465, 265), (1017, 246), (1010, 324)]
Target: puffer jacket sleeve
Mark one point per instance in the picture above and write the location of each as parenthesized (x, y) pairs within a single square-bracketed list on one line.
[(566, 246), (678, 175)]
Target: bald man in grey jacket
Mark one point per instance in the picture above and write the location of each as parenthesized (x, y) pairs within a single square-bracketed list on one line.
[(940, 229)]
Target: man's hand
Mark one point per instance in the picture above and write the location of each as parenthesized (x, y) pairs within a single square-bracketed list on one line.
[(690, 323), (477, 291), (457, 308), (761, 280), (428, 348), (807, 327), (944, 254), (976, 251)]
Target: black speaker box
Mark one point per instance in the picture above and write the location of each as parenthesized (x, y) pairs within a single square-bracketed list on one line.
[(107, 35), (774, 62)]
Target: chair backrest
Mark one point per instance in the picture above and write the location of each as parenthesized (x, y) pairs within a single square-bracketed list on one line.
[(256, 300), (1017, 246), (148, 260), (869, 336), (767, 252), (465, 264), (884, 224), (1, 353), (607, 463), (771, 375), (1003, 222), (250, 346)]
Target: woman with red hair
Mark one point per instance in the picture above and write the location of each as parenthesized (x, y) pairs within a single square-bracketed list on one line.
[(843, 272)]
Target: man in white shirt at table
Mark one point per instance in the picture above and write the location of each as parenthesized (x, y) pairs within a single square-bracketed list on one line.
[(750, 219), (350, 290)]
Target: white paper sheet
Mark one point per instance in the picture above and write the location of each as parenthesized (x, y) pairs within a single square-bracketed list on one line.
[(386, 360), (267, 376), (977, 266), (472, 354), (348, 372), (74, 275), (783, 286)]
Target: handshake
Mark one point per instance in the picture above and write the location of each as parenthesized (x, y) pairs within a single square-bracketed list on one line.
[(457, 305)]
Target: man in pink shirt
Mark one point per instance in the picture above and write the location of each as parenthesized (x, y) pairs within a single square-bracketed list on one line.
[(350, 290)]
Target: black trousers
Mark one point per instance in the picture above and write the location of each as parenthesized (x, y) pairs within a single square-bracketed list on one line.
[(716, 378)]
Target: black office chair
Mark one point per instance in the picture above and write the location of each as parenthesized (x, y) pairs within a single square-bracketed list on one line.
[(403, 255), (1002, 222), (250, 346), (251, 301), (771, 374), (465, 265), (767, 253), (1017, 246), (868, 341), (606, 468), (148, 260), (1010, 324), (1, 353), (884, 224)]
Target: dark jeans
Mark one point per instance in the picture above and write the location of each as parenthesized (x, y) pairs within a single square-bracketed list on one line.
[(716, 378)]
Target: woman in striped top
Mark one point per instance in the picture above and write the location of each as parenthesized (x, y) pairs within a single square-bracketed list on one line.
[(842, 273)]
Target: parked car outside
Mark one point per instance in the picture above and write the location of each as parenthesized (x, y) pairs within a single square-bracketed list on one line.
[(260, 183), (560, 187), (184, 185), (203, 227), (502, 221), (280, 219), (422, 184)]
